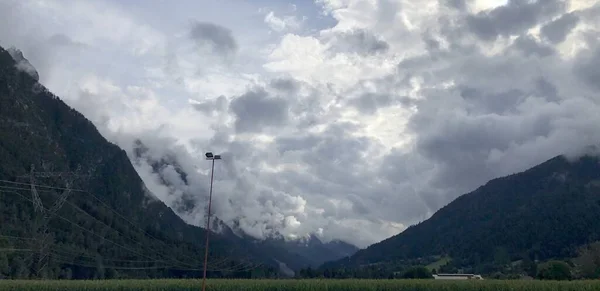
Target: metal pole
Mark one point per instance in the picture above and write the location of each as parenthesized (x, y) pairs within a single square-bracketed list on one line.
[(208, 225)]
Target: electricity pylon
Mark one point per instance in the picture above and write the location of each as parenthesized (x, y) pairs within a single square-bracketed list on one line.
[(40, 227)]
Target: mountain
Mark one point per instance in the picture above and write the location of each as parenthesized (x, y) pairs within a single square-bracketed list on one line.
[(109, 225), (548, 211), (317, 252), (290, 254), (312, 251)]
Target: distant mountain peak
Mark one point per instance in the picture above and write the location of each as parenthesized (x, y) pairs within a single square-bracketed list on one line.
[(22, 63)]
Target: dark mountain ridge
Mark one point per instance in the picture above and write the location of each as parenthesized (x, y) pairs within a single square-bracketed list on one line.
[(545, 212), (312, 250)]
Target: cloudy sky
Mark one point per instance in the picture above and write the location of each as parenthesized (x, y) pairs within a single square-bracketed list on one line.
[(352, 119)]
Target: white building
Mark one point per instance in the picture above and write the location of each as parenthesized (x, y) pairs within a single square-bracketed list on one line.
[(457, 277)]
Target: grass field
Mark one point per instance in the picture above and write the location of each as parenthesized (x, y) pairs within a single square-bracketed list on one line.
[(301, 285)]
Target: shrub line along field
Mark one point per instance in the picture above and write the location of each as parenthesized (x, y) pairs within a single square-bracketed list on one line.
[(301, 285)]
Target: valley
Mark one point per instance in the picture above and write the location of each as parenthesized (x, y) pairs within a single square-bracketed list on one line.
[(299, 145)]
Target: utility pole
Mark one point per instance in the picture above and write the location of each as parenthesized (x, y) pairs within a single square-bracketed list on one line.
[(210, 157)]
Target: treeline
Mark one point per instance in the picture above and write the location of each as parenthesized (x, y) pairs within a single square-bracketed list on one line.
[(586, 265), (372, 272)]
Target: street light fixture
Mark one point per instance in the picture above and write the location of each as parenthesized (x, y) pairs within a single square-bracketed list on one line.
[(210, 157)]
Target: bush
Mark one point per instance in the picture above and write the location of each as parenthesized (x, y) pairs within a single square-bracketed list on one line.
[(554, 270), (417, 273)]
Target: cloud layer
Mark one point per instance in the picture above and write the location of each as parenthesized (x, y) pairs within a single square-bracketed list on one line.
[(361, 119)]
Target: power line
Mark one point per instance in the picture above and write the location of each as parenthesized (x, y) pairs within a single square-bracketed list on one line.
[(16, 237), (112, 210), (64, 261), (232, 268), (15, 250), (79, 255), (42, 186), (87, 230), (171, 267), (122, 234), (191, 267), (129, 221)]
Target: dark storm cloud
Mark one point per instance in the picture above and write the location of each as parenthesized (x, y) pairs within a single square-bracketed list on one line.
[(362, 42), (256, 110), (212, 107), (387, 10), (332, 156), (285, 84), (369, 103), (468, 149), (460, 145), (528, 46), (60, 39), (499, 103), (558, 30), (457, 4), (513, 18), (336, 156), (587, 68), (505, 112), (333, 153), (220, 39), (546, 89), (431, 43), (286, 144)]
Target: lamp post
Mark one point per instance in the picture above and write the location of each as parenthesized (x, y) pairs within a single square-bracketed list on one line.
[(210, 157)]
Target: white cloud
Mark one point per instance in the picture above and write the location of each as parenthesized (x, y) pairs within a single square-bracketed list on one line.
[(353, 131), (482, 5), (280, 24)]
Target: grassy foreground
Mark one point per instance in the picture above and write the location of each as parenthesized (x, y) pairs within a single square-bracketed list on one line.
[(301, 285)]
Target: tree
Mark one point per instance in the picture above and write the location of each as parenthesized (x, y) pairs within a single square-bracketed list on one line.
[(529, 266), (418, 272), (19, 270), (588, 261), (66, 273), (4, 267), (501, 256), (554, 270), (100, 272)]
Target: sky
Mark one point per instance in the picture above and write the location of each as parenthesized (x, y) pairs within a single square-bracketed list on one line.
[(349, 119)]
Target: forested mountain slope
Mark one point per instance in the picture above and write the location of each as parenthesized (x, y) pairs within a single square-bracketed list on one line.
[(548, 211), (110, 225)]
